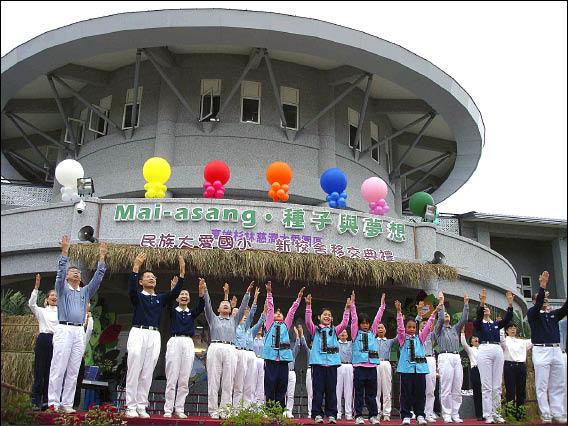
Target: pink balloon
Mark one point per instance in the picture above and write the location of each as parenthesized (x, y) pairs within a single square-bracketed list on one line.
[(210, 191), (386, 209), (381, 202), (206, 184), (373, 189), (217, 184), (372, 205), (219, 193)]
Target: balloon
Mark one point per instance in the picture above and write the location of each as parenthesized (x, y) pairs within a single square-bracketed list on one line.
[(285, 197), (276, 186), (284, 187), (279, 171), (156, 169), (382, 202), (206, 184), (217, 184), (341, 202), (334, 195), (386, 209), (418, 202), (372, 205), (280, 193), (210, 191), (66, 197), (373, 189), (272, 193), (219, 193), (333, 180), (333, 204), (343, 194), (68, 171), (217, 170)]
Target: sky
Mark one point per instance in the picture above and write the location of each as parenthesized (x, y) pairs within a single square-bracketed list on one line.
[(509, 56)]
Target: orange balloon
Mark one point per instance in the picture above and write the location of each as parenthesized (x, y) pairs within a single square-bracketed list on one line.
[(284, 187), (272, 193), (280, 193), (275, 186), (279, 171), (285, 197)]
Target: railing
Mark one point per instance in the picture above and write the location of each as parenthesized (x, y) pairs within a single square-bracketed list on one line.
[(25, 195)]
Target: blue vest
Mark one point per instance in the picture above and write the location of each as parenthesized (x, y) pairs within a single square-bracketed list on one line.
[(317, 354), (360, 355), (405, 364), (270, 350)]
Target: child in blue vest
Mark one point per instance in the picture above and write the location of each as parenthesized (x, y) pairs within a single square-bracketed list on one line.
[(277, 352), (324, 360), (365, 359), (412, 366)]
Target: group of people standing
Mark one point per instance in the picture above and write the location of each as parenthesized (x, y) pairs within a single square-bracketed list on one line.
[(249, 363)]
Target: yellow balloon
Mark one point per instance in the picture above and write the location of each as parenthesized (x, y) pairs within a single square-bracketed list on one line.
[(156, 169)]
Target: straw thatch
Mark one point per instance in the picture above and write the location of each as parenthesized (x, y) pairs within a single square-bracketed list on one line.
[(262, 265)]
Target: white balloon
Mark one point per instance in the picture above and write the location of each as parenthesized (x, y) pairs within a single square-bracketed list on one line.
[(75, 197), (66, 197), (63, 189), (68, 171)]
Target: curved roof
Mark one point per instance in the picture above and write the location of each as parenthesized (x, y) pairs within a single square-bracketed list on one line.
[(301, 40)]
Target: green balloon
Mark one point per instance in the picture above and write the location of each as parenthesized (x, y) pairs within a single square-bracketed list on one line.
[(418, 203)]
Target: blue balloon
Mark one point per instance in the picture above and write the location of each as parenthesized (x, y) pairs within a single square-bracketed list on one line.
[(341, 202), (343, 194), (328, 198), (332, 204), (334, 195), (333, 180)]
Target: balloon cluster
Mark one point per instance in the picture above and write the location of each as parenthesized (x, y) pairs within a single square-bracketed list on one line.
[(333, 182), (216, 175), (418, 202), (67, 172), (379, 207), (156, 172), (374, 190), (279, 175)]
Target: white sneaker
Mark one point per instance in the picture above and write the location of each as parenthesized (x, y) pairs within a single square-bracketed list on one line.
[(67, 410), (421, 420), (430, 419), (406, 421), (546, 420), (359, 421), (447, 419), (142, 413), (560, 420), (168, 415), (331, 420), (374, 420), (215, 416), (457, 420), (386, 418), (498, 418), (180, 415), (318, 419), (130, 413), (348, 417), (489, 420)]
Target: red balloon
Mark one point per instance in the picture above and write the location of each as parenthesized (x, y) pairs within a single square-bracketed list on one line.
[(217, 170)]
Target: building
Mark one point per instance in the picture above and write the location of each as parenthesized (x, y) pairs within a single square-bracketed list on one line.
[(248, 88)]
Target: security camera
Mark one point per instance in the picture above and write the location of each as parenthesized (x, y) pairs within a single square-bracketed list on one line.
[(80, 206)]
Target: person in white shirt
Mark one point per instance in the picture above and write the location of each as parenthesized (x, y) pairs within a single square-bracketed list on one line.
[(43, 350), (515, 368), (89, 324), (474, 378)]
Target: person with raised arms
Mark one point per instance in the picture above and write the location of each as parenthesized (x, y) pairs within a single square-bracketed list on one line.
[(384, 373)]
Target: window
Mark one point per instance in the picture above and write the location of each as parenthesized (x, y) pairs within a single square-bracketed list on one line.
[(526, 286), (129, 104), (96, 124), (78, 127), (250, 102), (375, 139), (353, 117), (210, 100), (51, 153), (290, 99)]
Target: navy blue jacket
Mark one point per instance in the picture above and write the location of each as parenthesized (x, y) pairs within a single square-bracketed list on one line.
[(544, 325)]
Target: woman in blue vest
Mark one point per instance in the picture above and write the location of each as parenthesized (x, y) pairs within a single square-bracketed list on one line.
[(324, 360), (412, 366), (365, 359), (277, 352)]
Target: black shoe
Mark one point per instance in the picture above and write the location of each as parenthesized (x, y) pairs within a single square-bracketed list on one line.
[(36, 407)]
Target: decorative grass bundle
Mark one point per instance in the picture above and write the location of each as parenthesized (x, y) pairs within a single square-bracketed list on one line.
[(17, 369), (263, 264), (19, 333)]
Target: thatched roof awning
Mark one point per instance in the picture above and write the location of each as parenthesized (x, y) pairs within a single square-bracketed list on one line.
[(265, 265)]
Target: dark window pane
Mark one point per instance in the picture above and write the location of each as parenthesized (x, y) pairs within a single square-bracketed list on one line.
[(526, 281), (207, 114), (205, 106), (250, 110), (352, 135), (527, 294), (128, 116), (375, 151), (291, 115)]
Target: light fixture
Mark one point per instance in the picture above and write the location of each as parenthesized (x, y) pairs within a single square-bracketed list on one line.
[(431, 213), (85, 186), (439, 258), (86, 233)]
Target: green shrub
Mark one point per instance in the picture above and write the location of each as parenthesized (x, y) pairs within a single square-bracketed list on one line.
[(17, 410), (255, 415)]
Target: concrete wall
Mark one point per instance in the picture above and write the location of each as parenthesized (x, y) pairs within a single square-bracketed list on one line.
[(116, 163)]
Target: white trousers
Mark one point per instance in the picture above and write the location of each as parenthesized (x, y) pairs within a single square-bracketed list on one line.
[(180, 355), (290, 391), (309, 390), (68, 349), (430, 386), (259, 386), (250, 378), (143, 348), (550, 381), (344, 389), (239, 380), (451, 379), (384, 388), (565, 359), (221, 367), (490, 365)]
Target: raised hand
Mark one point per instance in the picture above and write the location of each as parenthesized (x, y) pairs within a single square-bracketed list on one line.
[(269, 287), (510, 298), (543, 279), (138, 261), (226, 291), (300, 330), (419, 307), (65, 243), (352, 296), (234, 302), (37, 281), (308, 299), (181, 261), (483, 297), (441, 297), (398, 306), (174, 282), (250, 287), (297, 332), (348, 303), (202, 287), (301, 292), (465, 299), (383, 297), (103, 250), (256, 293)]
